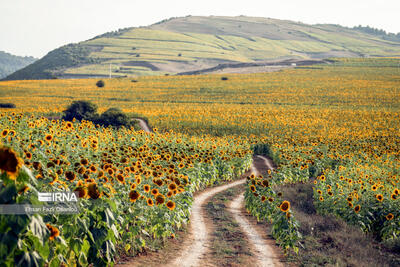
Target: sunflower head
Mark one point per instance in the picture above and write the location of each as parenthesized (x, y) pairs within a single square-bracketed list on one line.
[(9, 162), (150, 202), (389, 217), (134, 195), (379, 197), (160, 199), (170, 205), (285, 206), (357, 208), (93, 191), (70, 176), (54, 232)]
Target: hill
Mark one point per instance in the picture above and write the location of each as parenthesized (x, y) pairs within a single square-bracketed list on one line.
[(10, 63), (192, 43)]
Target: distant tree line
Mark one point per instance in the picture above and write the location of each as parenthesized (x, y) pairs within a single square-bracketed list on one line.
[(378, 32), (10, 63)]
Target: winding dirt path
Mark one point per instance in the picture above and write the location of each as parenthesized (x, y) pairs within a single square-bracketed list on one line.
[(144, 125), (197, 243)]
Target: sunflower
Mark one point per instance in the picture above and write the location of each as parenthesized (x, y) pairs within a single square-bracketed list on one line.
[(92, 168), (133, 195), (170, 194), (172, 186), (54, 232), (48, 137), (154, 191), (150, 202), (265, 183), (263, 198), (146, 188), (389, 217), (4, 133), (28, 155), (69, 125), (271, 199), (110, 171), (252, 188), (393, 196), (396, 191), (321, 198), (93, 191), (374, 187), (170, 205), (160, 199), (81, 190), (158, 182), (379, 197), (9, 162), (285, 206), (100, 174), (121, 178), (357, 208), (84, 161), (70, 176)]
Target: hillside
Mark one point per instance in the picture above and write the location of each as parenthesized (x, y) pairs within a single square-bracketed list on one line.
[(10, 63), (188, 44)]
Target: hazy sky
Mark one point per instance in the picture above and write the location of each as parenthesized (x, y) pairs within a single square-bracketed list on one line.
[(35, 27)]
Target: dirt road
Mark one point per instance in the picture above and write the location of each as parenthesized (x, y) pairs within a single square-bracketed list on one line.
[(196, 245)]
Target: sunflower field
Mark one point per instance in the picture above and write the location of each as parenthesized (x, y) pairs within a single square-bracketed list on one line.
[(133, 186), (335, 126)]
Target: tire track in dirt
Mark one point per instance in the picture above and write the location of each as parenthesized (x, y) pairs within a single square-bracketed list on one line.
[(198, 242), (263, 252)]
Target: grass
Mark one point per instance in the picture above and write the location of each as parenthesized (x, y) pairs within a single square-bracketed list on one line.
[(228, 244), (329, 241)]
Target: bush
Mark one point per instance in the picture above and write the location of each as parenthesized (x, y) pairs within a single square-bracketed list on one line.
[(7, 105), (100, 83), (224, 78), (114, 117), (80, 110)]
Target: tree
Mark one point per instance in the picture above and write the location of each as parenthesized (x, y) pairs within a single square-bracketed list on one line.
[(80, 110), (114, 117), (100, 83)]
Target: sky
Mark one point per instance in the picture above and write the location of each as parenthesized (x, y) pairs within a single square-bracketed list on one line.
[(35, 27)]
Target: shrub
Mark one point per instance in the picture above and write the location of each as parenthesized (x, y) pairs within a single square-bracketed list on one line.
[(7, 105), (100, 83), (114, 117), (80, 110), (224, 78)]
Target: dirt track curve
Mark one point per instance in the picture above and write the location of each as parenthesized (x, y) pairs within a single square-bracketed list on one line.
[(193, 250)]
